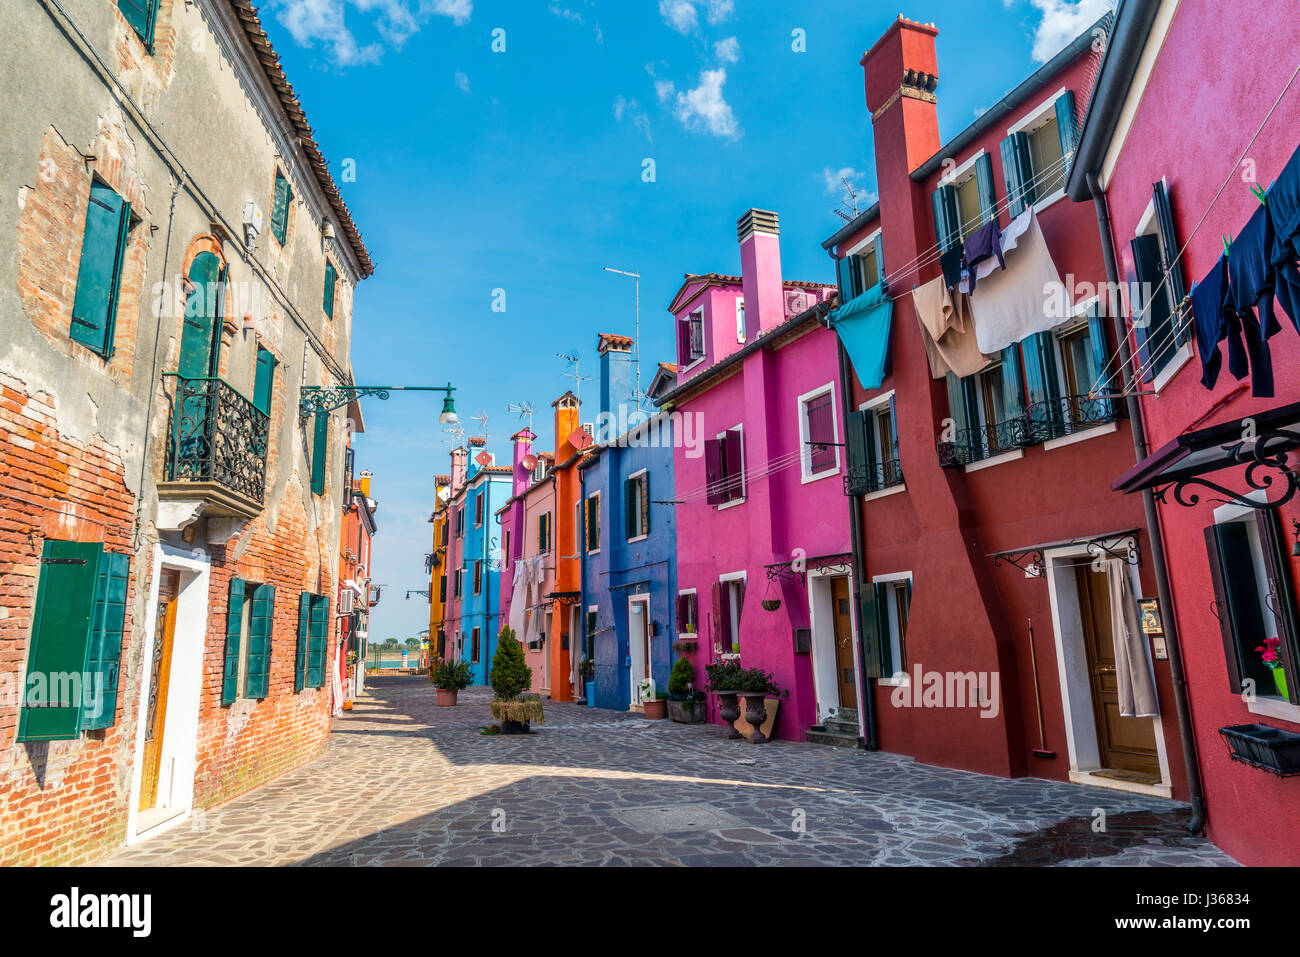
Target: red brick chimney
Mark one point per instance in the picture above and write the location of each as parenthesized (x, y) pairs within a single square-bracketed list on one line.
[(900, 72)]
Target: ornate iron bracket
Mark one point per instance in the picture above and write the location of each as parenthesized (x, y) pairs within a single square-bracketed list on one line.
[(784, 571), (1254, 453), (1029, 561), (1123, 547), (565, 597), (317, 399)]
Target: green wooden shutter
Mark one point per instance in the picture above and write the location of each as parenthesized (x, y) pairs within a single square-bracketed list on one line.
[(304, 639), (1043, 387), (264, 381), (880, 259), (103, 661), (1175, 289), (984, 185), (858, 443), (99, 275), (844, 272), (1067, 126), (319, 450), (1152, 330), (234, 621), (875, 640), (1237, 604), (1018, 173), (331, 277), (1097, 357), (259, 641), (645, 504), (60, 641), (320, 621), (629, 514), (141, 14), (946, 231), (280, 208)]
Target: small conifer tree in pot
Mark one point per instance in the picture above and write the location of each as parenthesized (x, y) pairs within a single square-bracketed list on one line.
[(511, 678)]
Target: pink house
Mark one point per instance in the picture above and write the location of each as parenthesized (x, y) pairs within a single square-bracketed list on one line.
[(761, 509)]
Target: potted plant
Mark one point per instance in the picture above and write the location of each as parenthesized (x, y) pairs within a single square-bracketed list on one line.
[(1273, 660), (656, 707), (587, 668), (450, 678), (510, 679), (754, 685), (685, 703), (723, 677)]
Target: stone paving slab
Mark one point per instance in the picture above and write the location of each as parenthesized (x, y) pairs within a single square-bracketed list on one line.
[(403, 782)]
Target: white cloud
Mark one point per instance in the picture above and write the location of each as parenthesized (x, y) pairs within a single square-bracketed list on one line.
[(719, 10), (705, 108), (632, 110), (310, 22), (728, 50), (664, 89), (462, 81), (566, 13), (679, 14), (1061, 21)]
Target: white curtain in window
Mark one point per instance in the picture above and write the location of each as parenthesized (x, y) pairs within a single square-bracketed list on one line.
[(1133, 670)]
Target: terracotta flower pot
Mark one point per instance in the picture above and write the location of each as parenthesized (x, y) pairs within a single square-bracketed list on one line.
[(656, 710), (446, 699)]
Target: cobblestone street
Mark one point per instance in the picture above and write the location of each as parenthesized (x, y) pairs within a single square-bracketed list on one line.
[(403, 782)]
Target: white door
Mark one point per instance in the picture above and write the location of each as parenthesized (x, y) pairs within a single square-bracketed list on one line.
[(637, 646)]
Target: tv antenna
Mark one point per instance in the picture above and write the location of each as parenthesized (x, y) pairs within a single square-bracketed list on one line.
[(525, 411), (575, 375), (482, 419), (456, 435), (850, 205), (636, 335)]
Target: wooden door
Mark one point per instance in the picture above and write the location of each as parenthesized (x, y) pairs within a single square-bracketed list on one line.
[(1125, 744), (159, 681), (844, 669)]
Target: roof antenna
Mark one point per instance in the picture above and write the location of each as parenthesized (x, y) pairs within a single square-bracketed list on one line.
[(525, 411), (482, 419), (578, 379), (850, 210)]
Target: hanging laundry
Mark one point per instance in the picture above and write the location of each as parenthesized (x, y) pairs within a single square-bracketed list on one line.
[(983, 244), (1010, 239), (1250, 287), (950, 263), (1022, 299), (947, 330), (1208, 299), (1284, 206), (863, 325)]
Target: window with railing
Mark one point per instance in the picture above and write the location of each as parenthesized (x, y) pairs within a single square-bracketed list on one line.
[(871, 435), (217, 436)]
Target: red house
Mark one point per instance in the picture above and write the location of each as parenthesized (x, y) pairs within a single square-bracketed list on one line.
[(1170, 149), (988, 542)]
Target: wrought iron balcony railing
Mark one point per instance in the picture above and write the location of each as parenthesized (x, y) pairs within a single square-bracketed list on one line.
[(1039, 422), (217, 437), (865, 479)]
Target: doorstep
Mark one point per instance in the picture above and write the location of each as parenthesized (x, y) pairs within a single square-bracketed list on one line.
[(1116, 784), (156, 820)]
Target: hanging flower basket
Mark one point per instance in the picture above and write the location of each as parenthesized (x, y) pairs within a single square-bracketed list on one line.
[(771, 604)]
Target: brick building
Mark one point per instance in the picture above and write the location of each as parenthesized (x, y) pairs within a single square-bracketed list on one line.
[(182, 267)]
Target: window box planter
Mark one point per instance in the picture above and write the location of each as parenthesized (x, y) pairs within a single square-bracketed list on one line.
[(685, 644), (686, 711), (1264, 747)]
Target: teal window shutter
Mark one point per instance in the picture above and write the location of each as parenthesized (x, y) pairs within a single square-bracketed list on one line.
[(304, 639), (320, 620), (319, 450), (1018, 173), (875, 640), (264, 381), (1043, 385), (1067, 126), (880, 258), (987, 192), (1097, 358), (1013, 389), (946, 231), (858, 441), (1152, 327), (60, 641), (141, 15), (331, 279), (280, 200), (1175, 288), (234, 623), (844, 272), (108, 621), (259, 642), (99, 275)]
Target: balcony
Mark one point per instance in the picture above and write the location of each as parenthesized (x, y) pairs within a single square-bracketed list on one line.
[(865, 479), (1038, 423), (216, 451)]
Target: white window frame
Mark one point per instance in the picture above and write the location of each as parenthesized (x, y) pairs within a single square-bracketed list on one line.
[(1077, 310), (958, 178), (696, 632), (895, 651), (869, 406), (740, 319), (643, 491), (744, 491), (732, 608), (868, 242), (704, 341), (1147, 226), (1028, 123), (806, 475)]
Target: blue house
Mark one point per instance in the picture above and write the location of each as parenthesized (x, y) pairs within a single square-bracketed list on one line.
[(487, 487), (629, 550)]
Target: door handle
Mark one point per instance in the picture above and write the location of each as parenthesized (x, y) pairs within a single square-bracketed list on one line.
[(1105, 671)]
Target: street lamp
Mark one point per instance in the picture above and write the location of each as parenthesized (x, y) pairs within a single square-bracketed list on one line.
[(448, 416)]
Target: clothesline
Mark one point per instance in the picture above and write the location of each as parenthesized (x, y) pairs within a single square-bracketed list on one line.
[(1155, 350)]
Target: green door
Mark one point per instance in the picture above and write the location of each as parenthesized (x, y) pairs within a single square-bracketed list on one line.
[(200, 343)]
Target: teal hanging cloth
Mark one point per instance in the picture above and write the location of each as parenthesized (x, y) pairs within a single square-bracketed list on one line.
[(863, 326)]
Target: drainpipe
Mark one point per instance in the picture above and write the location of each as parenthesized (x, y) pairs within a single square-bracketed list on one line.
[(870, 734), (1176, 672)]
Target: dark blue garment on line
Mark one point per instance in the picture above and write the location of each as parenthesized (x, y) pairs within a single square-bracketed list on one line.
[(1284, 204), (1251, 277), (1211, 325), (983, 243)]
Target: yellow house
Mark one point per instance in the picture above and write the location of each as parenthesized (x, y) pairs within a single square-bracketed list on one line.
[(437, 566)]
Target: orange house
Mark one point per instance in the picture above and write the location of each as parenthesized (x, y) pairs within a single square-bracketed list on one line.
[(571, 443)]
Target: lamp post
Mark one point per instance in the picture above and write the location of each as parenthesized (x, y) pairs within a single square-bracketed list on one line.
[(317, 399)]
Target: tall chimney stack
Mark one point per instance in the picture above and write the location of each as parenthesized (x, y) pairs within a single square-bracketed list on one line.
[(760, 271)]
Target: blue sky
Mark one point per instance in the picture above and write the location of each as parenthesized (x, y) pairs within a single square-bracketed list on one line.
[(522, 171)]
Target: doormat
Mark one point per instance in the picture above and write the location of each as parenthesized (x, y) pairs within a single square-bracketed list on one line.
[(1133, 777)]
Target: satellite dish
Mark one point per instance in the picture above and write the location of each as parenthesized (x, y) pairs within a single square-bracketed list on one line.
[(580, 439), (529, 461), (484, 458)]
